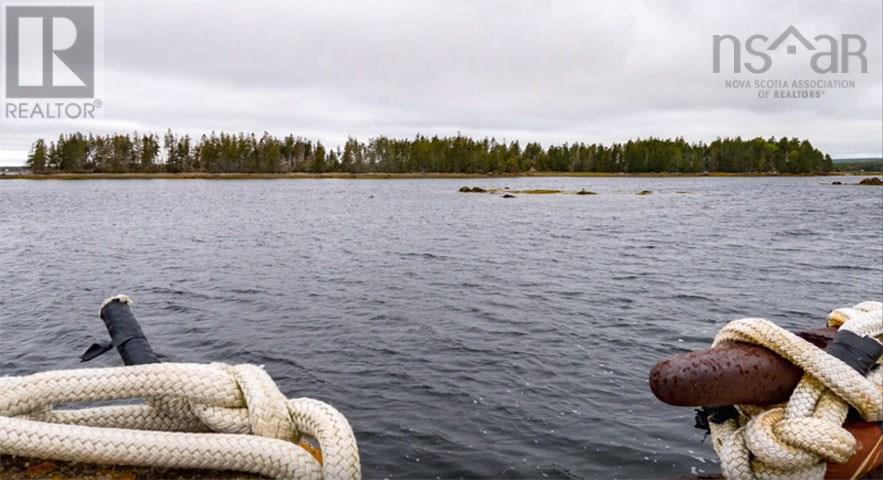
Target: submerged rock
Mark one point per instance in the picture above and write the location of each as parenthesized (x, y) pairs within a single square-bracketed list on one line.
[(540, 191), (871, 181)]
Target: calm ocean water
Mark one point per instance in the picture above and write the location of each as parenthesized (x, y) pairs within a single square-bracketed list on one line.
[(463, 335)]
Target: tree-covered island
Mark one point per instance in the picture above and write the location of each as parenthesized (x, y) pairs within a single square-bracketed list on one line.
[(249, 153)]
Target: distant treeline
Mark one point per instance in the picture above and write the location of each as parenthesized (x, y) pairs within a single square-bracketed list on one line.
[(859, 165), (248, 153)]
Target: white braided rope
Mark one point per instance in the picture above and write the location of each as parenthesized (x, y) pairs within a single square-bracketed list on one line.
[(795, 440), (253, 425)]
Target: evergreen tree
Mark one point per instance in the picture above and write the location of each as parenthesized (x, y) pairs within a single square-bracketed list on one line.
[(38, 157)]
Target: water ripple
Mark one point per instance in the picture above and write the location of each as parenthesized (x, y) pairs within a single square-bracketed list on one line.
[(463, 336)]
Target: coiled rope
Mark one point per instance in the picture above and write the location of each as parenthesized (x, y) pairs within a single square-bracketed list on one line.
[(253, 426), (795, 440)]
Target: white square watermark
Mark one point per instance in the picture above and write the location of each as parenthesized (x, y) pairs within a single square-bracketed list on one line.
[(53, 60)]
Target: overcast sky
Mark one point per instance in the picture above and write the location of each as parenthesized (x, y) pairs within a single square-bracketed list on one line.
[(553, 72)]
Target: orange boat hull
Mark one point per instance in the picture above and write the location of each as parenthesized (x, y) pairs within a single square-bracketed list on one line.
[(869, 456)]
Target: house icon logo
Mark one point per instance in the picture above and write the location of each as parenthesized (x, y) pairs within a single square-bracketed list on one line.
[(791, 31), (844, 53)]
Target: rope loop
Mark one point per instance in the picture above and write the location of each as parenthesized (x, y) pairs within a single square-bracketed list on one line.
[(253, 426), (795, 440)]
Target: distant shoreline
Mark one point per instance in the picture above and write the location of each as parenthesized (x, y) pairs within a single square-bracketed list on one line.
[(384, 176)]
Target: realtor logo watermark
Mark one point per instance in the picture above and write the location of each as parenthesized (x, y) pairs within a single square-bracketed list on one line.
[(53, 61), (824, 57)]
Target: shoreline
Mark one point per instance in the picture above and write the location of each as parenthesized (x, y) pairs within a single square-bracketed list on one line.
[(390, 176)]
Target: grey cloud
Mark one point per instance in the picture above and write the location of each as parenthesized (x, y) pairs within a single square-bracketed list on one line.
[(531, 70)]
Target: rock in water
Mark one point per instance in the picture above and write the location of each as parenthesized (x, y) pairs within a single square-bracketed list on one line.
[(871, 181)]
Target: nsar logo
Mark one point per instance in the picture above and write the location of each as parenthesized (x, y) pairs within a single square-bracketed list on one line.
[(830, 54)]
